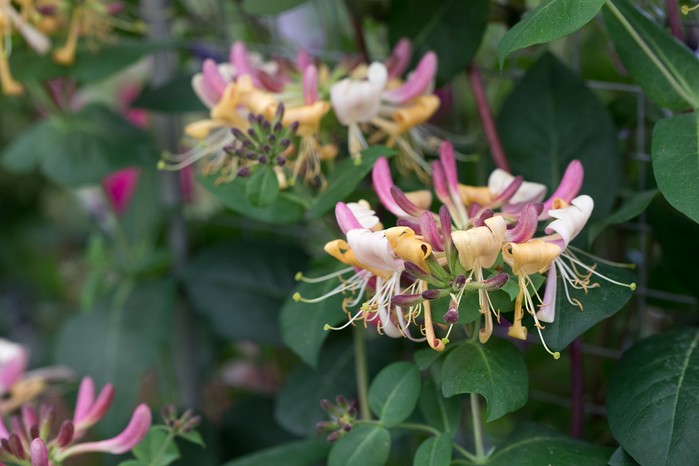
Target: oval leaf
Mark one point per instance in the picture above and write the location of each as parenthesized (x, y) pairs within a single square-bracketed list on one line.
[(362, 446), (598, 304), (552, 118), (437, 26), (675, 152), (302, 324), (435, 451), (495, 370), (652, 400), (394, 392), (666, 69), (549, 21), (262, 187)]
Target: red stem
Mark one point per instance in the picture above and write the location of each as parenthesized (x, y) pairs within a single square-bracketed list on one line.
[(491, 133), (673, 18), (576, 388)]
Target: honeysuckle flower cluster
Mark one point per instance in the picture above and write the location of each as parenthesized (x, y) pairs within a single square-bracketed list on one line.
[(35, 20), (342, 415), (369, 99), (395, 274), (33, 439)]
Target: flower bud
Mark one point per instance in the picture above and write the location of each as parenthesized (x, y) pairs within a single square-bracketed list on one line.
[(243, 172), (39, 453), (65, 434), (451, 316)]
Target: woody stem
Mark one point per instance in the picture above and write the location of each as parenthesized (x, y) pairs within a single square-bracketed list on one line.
[(362, 372)]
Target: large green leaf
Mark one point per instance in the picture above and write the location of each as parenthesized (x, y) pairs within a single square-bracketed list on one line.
[(531, 445), (632, 207), (552, 118), (345, 178), (652, 399), (156, 449), (174, 96), (435, 451), (439, 26), (125, 333), (598, 304), (549, 21), (367, 445), (675, 152), (495, 370), (621, 458), (441, 413), (297, 453), (394, 392), (80, 148), (240, 287), (262, 187), (666, 69), (302, 324), (269, 7), (287, 208)]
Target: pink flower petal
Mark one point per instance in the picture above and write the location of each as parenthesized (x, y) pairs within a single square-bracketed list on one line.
[(310, 84), (419, 82), (570, 185), (399, 60), (345, 218), (381, 178), (547, 311)]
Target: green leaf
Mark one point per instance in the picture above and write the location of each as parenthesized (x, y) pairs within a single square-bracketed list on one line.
[(302, 324), (125, 333), (598, 304), (286, 209), (652, 399), (552, 118), (80, 148), (438, 26), (621, 458), (634, 206), (394, 393), (441, 413), (495, 370), (367, 445), (435, 451), (298, 453), (262, 187), (156, 449), (193, 437), (425, 357), (666, 69), (172, 97), (549, 21), (675, 153), (240, 287), (345, 178), (531, 445), (269, 7)]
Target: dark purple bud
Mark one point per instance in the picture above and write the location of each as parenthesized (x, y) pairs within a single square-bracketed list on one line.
[(451, 316), (248, 144), (416, 272), (243, 172), (251, 133), (352, 411), (34, 431), (485, 215), (5, 444), (347, 427), (252, 119), (278, 127), (271, 138), (266, 149), (294, 127), (239, 151), (459, 282), (262, 159), (16, 446), (325, 426), (434, 294), (229, 149), (495, 282), (333, 437), (46, 10), (238, 133), (407, 300), (265, 125), (191, 424), (251, 156), (284, 143), (260, 119), (341, 402), (65, 433), (168, 412), (281, 161), (279, 114)]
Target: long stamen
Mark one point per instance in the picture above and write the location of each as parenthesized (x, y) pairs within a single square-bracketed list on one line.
[(300, 277), (631, 285), (599, 259)]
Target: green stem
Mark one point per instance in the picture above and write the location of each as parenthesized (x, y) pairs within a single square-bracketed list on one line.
[(477, 428), (672, 80), (360, 367)]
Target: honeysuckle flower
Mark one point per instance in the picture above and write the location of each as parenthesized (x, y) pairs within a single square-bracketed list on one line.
[(419, 201), (30, 439), (357, 100), (11, 20), (210, 84), (446, 185), (568, 188)]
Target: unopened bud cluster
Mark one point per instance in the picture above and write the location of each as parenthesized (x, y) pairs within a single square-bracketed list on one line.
[(182, 424), (342, 415)]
